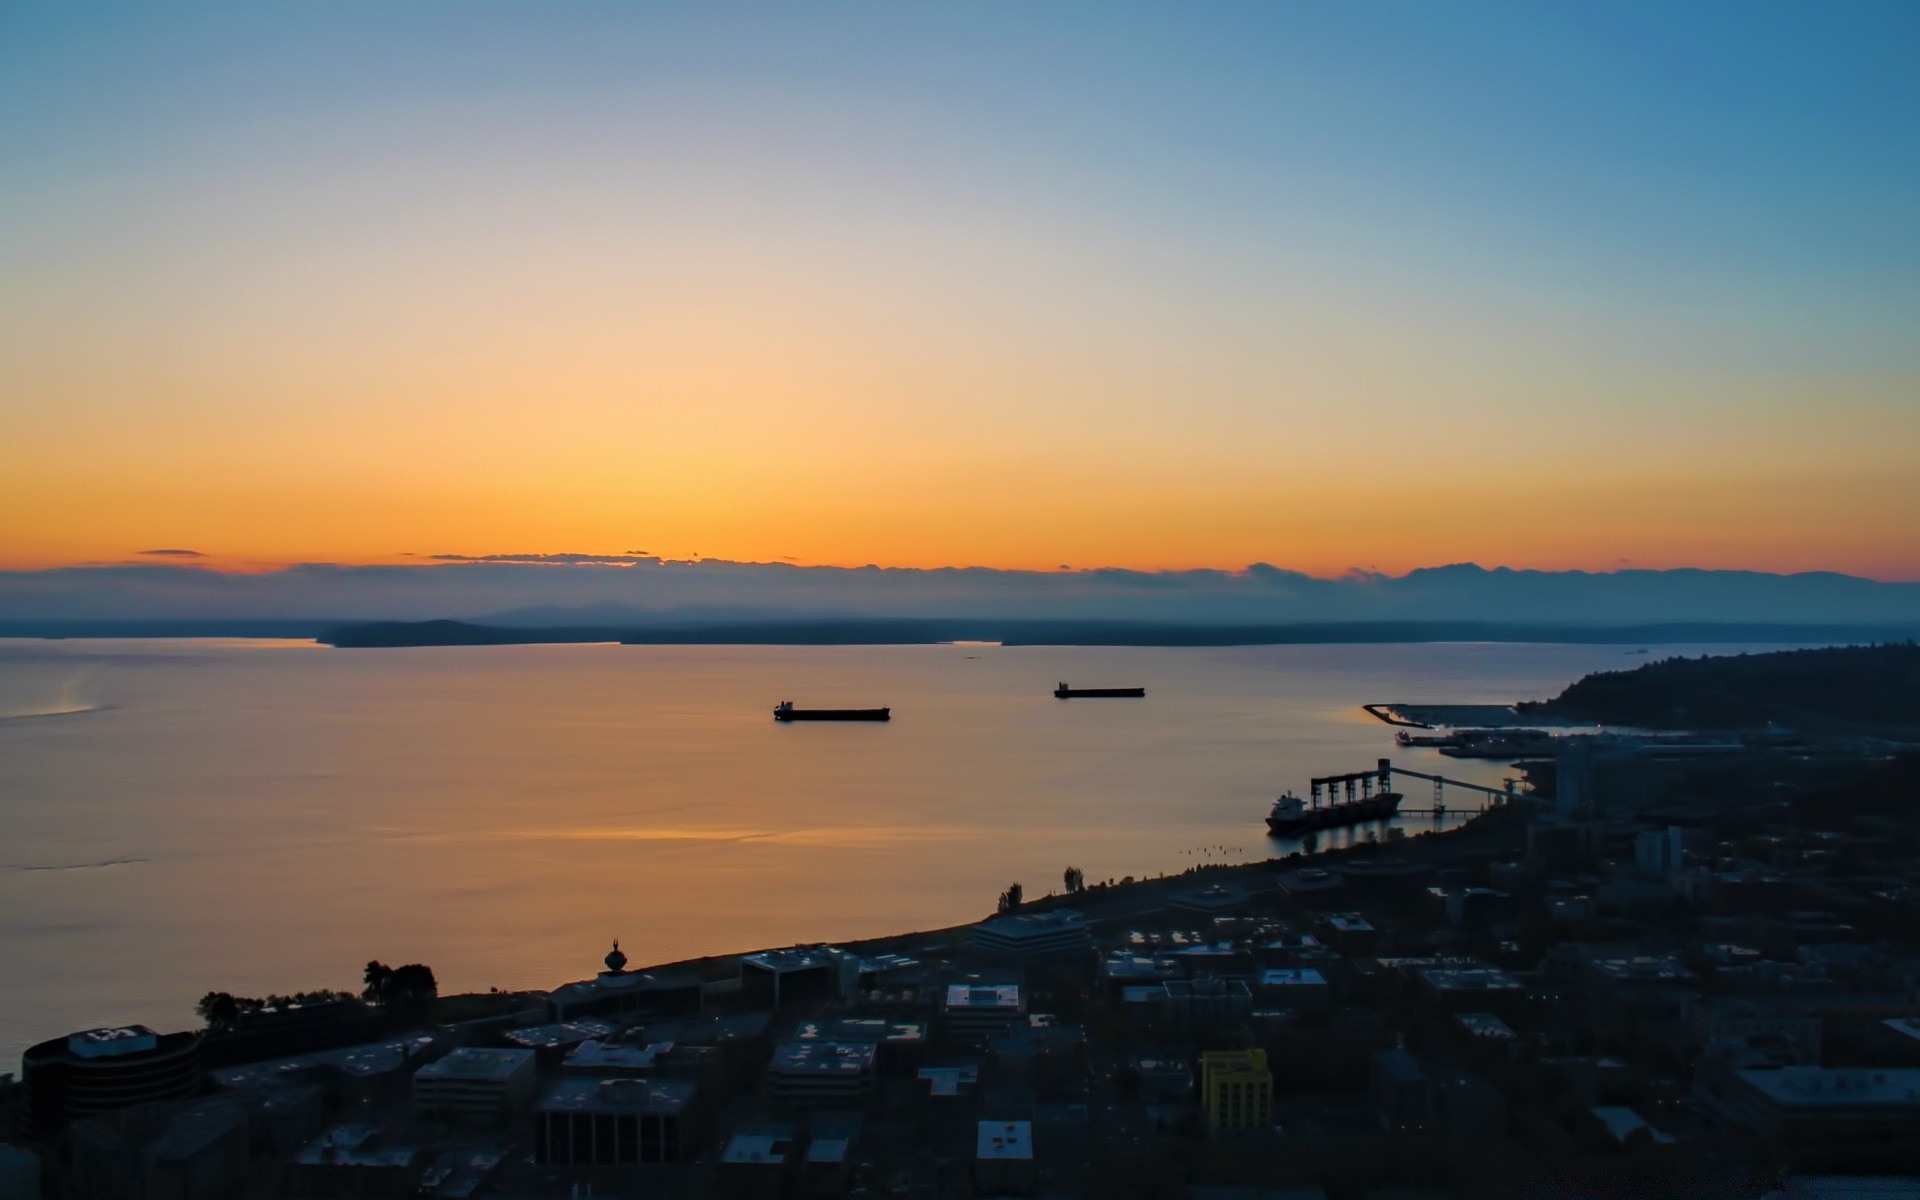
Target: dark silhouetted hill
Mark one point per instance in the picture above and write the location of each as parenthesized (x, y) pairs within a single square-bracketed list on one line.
[(1860, 686)]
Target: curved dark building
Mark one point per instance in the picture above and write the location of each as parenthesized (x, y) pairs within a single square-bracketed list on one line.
[(85, 1074)]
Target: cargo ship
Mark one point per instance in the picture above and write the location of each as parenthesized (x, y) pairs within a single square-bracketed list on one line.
[(785, 711), (1292, 815), (1072, 693)]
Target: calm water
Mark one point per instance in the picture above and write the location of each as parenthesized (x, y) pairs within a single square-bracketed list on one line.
[(178, 817)]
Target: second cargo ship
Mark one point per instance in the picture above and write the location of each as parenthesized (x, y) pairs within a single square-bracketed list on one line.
[(785, 711), (1069, 693)]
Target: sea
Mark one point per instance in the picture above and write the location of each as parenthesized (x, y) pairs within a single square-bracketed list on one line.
[(185, 816)]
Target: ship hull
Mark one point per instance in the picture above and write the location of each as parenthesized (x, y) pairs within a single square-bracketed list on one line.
[(834, 714), (1375, 808), (1099, 693)]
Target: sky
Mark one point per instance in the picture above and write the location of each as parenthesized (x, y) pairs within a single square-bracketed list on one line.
[(1374, 285)]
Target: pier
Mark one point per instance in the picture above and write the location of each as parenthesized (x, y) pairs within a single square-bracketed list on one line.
[(1361, 784)]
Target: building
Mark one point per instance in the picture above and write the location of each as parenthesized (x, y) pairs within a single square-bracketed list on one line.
[(595, 1057), (1124, 968), (475, 1083), (618, 992), (1236, 1089), (795, 977), (1623, 1123), (1349, 933), (194, 1148), (1823, 1102), (582, 1122), (290, 1028), (758, 1164), (550, 1041), (900, 1044), (99, 1070), (351, 1160), (1163, 1080), (822, 1073), (828, 1166), (1025, 936), (980, 1010), (1402, 1092), (348, 1075), (19, 1171), (1483, 1027), (1212, 900), (1469, 1108), (1473, 988), (1301, 988), (1473, 907), (1206, 1004), (1003, 1158), (1660, 853)]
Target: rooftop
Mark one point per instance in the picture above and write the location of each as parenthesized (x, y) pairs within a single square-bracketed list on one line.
[(983, 997), (1641, 968), (1622, 1122), (1035, 925), (349, 1146), (829, 1149), (862, 1029), (1469, 979), (1292, 977), (1892, 1087), (753, 1148), (823, 1058), (950, 1081), (112, 1042), (1213, 898), (475, 1062), (793, 958), (1484, 1025), (562, 1033), (596, 1055), (662, 1097), (1005, 1139), (358, 1062)]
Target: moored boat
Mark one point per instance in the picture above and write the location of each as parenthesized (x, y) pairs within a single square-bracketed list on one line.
[(1292, 815)]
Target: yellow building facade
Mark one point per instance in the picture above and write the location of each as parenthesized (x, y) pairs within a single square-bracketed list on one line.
[(1237, 1089)]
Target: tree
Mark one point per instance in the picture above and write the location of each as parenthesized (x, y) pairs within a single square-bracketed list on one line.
[(408, 991), (218, 1009), (1076, 879), (1010, 899), (1396, 834), (1310, 843)]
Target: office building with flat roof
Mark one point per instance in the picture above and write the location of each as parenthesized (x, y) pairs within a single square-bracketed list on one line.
[(1003, 1158), (621, 1122), (796, 976), (1823, 1102), (1054, 933), (980, 1010), (475, 1083), (1237, 1089), (822, 1073)]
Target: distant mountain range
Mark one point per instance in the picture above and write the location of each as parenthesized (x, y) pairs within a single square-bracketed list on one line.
[(634, 596)]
